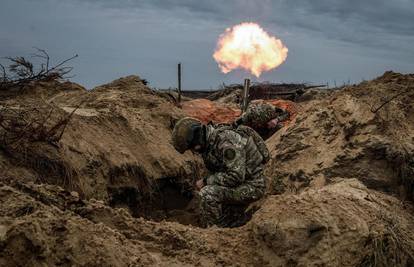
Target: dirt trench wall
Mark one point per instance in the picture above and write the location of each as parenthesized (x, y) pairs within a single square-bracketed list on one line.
[(343, 224), (117, 139), (339, 135)]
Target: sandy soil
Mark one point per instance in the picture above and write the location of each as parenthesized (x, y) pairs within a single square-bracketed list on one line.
[(338, 135), (341, 184), (116, 147)]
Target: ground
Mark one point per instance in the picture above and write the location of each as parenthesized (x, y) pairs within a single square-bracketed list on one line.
[(114, 192)]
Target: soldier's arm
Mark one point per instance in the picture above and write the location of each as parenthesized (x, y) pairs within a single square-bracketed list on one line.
[(244, 118), (250, 116), (234, 159)]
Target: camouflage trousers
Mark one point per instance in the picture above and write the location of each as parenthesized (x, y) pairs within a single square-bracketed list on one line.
[(214, 198)]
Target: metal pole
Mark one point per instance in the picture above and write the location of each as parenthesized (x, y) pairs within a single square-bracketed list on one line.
[(246, 88), (179, 82)]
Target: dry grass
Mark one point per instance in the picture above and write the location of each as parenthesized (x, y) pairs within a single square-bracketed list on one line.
[(30, 136), (390, 244)]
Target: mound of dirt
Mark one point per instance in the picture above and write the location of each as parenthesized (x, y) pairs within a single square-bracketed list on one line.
[(116, 147), (208, 111), (217, 112), (345, 135), (344, 224), (46, 225), (228, 96)]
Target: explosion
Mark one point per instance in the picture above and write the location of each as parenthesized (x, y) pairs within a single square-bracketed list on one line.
[(249, 47)]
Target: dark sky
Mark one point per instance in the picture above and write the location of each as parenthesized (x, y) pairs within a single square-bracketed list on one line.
[(327, 39)]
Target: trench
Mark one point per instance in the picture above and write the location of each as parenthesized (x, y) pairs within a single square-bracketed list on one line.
[(173, 201), (167, 199)]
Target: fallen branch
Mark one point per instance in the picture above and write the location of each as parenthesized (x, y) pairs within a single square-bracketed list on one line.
[(389, 100), (4, 78), (65, 122), (19, 127), (21, 71)]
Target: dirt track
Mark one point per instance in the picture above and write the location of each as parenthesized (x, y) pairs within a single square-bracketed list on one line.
[(341, 180)]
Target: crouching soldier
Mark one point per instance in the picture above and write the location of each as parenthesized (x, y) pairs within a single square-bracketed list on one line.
[(263, 117), (234, 158)]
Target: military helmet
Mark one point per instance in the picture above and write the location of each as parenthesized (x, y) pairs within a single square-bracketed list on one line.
[(184, 133)]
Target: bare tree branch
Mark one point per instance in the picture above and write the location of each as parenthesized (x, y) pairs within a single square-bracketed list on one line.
[(22, 71), (66, 122), (22, 126), (43, 55), (4, 78), (390, 99), (63, 62)]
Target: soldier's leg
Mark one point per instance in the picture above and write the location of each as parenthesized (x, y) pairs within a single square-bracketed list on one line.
[(212, 198), (237, 203)]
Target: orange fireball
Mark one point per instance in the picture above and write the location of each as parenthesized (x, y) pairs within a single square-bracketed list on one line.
[(248, 46)]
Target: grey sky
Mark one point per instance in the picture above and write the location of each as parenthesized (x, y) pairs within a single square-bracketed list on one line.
[(327, 39)]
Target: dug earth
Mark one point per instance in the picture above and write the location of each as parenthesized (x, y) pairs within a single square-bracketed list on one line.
[(114, 192)]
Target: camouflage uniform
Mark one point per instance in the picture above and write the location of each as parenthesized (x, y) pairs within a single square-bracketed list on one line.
[(236, 167), (258, 115)]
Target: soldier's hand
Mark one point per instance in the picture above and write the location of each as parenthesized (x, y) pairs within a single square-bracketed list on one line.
[(200, 184), (272, 123)]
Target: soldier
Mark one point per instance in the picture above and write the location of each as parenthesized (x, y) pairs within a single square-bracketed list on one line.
[(263, 118), (234, 158)]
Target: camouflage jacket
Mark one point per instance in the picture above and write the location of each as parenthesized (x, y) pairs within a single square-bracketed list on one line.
[(259, 114), (232, 159)]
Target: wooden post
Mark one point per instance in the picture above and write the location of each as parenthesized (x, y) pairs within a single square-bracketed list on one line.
[(179, 82), (245, 101)]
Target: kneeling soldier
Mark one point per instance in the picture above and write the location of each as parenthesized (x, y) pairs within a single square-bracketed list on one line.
[(235, 160)]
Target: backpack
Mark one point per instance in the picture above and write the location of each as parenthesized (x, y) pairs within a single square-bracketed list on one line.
[(246, 131)]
